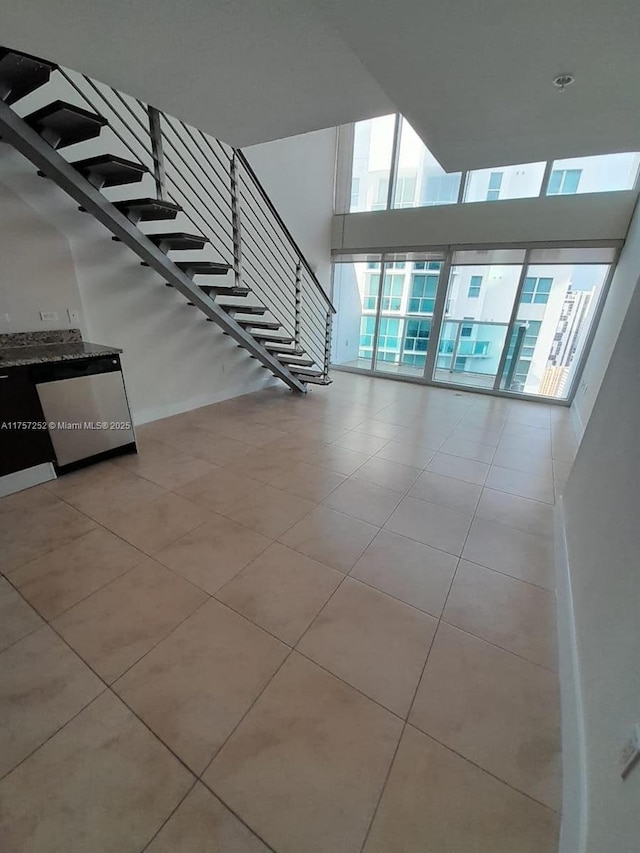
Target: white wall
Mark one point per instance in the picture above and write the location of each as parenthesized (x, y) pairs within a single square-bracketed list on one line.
[(173, 359), (601, 507), (623, 285), (298, 175), (597, 216), (37, 272), (243, 72)]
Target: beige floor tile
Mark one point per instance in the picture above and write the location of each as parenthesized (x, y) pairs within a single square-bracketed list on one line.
[(42, 685), (514, 511), (523, 462), (523, 555), (371, 426), (425, 435), (209, 446), (62, 577), (484, 435), (28, 531), (534, 445), (415, 573), (17, 618), (217, 490), (115, 626), (469, 470), (164, 465), (157, 523), (446, 491), (331, 537), (307, 481), (200, 824), (265, 463), (282, 591), (389, 475), (365, 501), (520, 430), (372, 641), (436, 801), (340, 460), (361, 441), (102, 784), (117, 490), (512, 614), (534, 486), (213, 553), (496, 709), (306, 766), (431, 524), (194, 687), (267, 510), (468, 449), (405, 454), (255, 434)]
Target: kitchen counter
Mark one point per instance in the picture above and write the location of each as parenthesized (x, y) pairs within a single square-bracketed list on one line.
[(26, 348), (27, 355)]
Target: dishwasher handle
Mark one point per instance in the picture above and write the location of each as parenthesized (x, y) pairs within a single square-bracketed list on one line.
[(74, 369)]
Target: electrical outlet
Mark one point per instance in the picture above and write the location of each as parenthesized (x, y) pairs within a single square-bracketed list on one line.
[(630, 752), (51, 316), (4, 317), (73, 315)]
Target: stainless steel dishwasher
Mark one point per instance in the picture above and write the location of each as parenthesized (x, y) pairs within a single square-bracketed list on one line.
[(85, 405)]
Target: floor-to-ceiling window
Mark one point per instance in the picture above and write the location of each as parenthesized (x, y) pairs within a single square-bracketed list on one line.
[(505, 319), (480, 295), (391, 168)]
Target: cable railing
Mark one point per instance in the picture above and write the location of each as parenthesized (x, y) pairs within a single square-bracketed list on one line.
[(221, 198)]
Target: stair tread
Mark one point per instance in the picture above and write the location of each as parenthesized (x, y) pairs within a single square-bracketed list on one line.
[(204, 267), (115, 170), (249, 309), (21, 73), (304, 372), (273, 339), (258, 324), (150, 208), (72, 124), (179, 240)]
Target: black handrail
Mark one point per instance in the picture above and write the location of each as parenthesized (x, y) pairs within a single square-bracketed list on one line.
[(246, 165)]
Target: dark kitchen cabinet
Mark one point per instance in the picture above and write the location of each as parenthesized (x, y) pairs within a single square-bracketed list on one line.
[(21, 447)]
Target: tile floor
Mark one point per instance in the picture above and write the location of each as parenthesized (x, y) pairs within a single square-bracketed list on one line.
[(301, 625)]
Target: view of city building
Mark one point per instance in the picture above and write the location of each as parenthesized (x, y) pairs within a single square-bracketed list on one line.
[(392, 307), (417, 180), (555, 309)]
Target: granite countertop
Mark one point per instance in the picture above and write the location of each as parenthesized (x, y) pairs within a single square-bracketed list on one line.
[(25, 348)]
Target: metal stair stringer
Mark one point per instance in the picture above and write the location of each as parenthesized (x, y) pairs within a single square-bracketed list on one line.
[(15, 131)]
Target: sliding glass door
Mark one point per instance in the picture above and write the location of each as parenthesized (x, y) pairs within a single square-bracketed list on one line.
[(480, 295), (503, 320), (406, 316), (556, 309)]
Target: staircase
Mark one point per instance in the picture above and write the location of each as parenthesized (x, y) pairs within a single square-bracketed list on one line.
[(189, 206)]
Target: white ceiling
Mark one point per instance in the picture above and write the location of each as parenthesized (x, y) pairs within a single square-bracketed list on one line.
[(473, 77), (246, 71)]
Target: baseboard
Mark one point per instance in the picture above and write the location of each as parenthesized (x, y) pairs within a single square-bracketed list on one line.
[(155, 413), (573, 830), (577, 421), (20, 480)]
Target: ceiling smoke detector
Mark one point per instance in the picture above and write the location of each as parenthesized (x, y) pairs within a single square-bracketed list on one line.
[(562, 81)]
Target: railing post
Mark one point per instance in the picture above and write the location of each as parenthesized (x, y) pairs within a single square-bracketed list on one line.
[(236, 221), (327, 341), (155, 133), (298, 306)]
